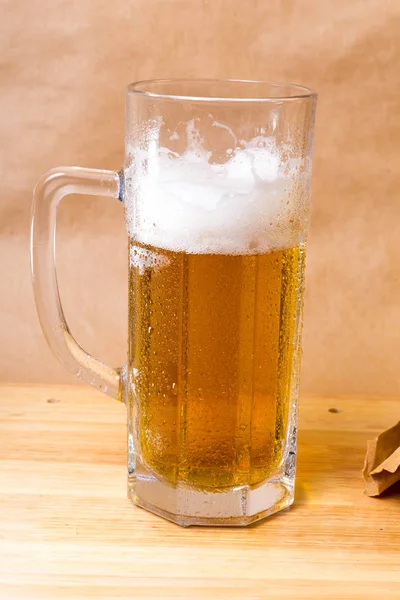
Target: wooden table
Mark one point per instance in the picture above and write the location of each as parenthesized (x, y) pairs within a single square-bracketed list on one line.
[(68, 531)]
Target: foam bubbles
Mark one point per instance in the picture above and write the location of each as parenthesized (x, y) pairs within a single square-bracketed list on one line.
[(246, 205)]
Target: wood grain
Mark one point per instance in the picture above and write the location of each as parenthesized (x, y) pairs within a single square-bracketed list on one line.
[(67, 530)]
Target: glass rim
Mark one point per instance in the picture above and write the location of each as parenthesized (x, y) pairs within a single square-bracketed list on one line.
[(301, 92)]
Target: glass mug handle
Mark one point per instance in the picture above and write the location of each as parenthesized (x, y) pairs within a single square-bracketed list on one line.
[(49, 191)]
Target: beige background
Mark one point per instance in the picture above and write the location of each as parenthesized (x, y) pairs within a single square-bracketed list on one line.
[(64, 67)]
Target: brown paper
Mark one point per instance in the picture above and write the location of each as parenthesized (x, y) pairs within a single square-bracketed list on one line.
[(64, 69), (382, 462)]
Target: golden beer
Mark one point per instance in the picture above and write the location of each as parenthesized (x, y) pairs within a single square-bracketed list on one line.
[(215, 188), (214, 349)]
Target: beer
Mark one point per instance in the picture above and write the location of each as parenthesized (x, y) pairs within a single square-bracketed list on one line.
[(214, 351), (215, 188), (216, 284)]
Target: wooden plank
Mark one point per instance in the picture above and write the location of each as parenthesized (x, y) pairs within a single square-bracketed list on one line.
[(68, 531)]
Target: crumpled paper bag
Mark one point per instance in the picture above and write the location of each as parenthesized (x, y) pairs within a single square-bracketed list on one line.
[(382, 461)]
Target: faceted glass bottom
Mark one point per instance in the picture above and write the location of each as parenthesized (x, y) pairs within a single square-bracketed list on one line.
[(185, 505)]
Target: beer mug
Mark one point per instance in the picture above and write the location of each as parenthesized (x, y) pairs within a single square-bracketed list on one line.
[(216, 194)]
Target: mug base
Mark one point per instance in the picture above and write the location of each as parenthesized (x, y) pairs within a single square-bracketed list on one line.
[(186, 506)]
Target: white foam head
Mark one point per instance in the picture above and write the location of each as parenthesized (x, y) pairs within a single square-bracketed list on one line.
[(249, 204)]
